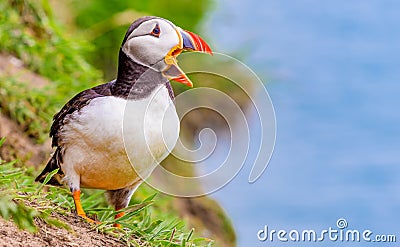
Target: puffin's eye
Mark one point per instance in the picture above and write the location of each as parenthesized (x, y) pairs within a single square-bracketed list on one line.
[(156, 31)]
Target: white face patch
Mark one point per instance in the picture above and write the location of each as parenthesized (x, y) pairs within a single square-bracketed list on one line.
[(149, 50)]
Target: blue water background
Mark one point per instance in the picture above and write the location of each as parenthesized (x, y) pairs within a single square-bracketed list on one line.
[(332, 69)]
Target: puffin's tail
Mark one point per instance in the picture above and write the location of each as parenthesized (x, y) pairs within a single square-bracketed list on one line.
[(52, 164)]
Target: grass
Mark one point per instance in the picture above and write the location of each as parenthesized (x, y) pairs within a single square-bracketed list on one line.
[(29, 32), (23, 200)]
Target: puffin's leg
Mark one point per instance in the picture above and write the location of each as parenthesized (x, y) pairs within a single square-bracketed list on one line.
[(121, 198), (76, 194), (73, 181)]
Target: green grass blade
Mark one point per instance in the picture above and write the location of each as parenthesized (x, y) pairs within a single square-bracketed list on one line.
[(46, 180), (150, 198), (2, 140), (190, 235)]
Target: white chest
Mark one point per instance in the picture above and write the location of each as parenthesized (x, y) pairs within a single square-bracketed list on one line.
[(111, 141)]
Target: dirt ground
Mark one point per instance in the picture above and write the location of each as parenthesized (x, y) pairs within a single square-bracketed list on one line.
[(82, 234)]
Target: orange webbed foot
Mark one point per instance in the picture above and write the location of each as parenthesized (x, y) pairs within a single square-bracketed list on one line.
[(89, 219), (79, 209), (119, 215)]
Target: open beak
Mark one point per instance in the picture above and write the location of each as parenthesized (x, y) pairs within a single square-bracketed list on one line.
[(188, 41)]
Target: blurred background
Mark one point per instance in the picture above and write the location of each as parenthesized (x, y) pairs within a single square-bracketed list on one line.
[(332, 71), (330, 67)]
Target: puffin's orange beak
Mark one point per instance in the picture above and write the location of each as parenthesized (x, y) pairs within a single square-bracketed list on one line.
[(188, 41)]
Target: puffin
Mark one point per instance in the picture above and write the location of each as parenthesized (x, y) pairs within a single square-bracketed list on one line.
[(112, 136)]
